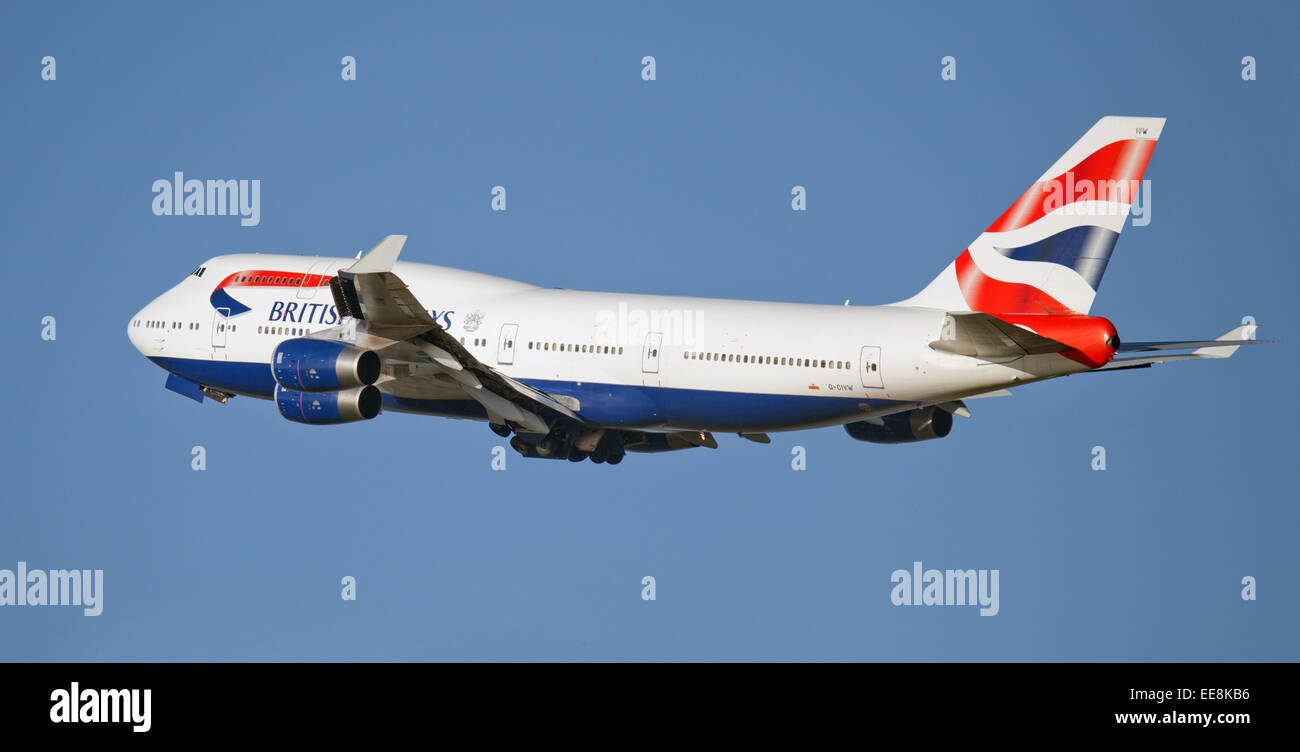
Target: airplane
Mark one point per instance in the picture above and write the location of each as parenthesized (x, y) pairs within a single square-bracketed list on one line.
[(580, 375)]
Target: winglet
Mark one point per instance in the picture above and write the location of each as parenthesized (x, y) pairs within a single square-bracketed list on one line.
[(380, 258), (1241, 333)]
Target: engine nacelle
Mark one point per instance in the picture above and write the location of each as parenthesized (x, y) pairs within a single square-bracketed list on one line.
[(314, 365), (914, 425), (326, 408)]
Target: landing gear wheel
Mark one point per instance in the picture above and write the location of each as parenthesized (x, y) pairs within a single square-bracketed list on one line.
[(499, 429), (614, 459), (577, 455), (599, 455), (546, 447), (519, 445)]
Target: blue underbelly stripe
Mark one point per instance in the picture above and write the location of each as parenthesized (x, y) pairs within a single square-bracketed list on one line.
[(617, 405)]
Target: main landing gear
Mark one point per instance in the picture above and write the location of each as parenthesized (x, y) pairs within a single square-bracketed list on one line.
[(559, 444)]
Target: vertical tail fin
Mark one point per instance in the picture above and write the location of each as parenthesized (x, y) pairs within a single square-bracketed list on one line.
[(1048, 251)]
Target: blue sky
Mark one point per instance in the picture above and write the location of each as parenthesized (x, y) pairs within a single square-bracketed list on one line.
[(682, 186)]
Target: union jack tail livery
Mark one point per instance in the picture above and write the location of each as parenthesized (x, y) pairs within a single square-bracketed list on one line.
[(1047, 252)]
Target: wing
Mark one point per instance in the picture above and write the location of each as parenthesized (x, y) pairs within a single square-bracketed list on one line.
[(1223, 347), (980, 335), (423, 361)]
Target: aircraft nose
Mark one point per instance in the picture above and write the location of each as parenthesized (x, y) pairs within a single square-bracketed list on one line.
[(133, 330), (139, 330)]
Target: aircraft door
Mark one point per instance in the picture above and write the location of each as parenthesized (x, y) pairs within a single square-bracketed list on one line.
[(311, 281), (870, 366), (506, 345), (650, 355), (220, 320)]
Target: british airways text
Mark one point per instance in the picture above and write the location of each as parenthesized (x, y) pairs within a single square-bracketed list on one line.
[(325, 313)]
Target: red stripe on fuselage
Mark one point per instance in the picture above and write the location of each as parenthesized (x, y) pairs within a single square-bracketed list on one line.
[(271, 278)]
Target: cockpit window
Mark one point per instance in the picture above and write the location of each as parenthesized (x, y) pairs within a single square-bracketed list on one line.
[(199, 272)]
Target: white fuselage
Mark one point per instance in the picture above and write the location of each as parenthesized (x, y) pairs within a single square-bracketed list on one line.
[(629, 360)]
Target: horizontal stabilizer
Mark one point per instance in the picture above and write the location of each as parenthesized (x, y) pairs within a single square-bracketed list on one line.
[(1242, 335), (980, 335), (1223, 347)]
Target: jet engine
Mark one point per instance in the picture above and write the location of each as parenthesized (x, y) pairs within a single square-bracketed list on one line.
[(315, 365), (327, 408), (914, 425)]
